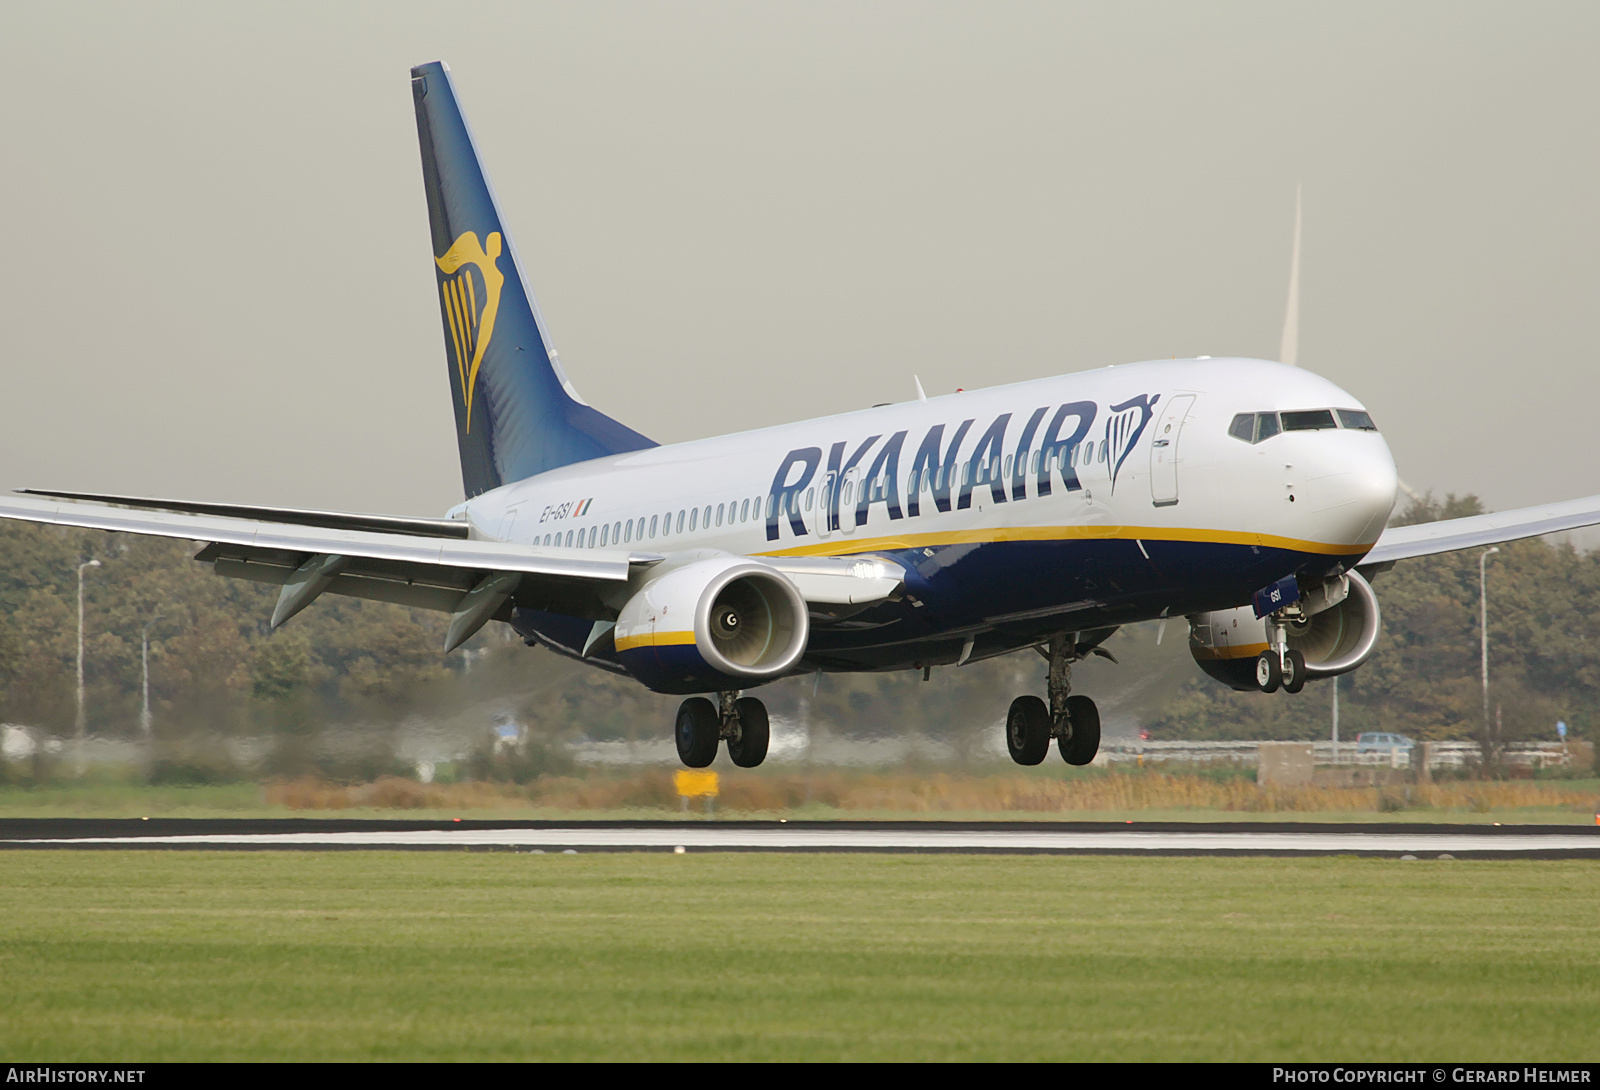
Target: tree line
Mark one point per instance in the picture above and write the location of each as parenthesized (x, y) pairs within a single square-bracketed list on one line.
[(217, 671)]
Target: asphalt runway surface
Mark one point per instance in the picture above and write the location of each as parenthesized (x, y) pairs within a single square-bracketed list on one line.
[(1064, 838)]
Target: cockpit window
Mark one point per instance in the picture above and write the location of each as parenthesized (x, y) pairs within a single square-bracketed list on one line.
[(1311, 420), (1254, 427)]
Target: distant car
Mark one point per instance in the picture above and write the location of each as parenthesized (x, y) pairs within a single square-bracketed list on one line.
[(1377, 740)]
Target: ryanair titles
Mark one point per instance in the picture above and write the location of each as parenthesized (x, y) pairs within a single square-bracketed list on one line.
[(868, 472)]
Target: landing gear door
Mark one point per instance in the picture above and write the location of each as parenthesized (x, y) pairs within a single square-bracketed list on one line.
[(1164, 451)]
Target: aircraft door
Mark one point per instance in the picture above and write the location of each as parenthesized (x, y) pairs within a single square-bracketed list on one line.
[(847, 501), (823, 525), (1164, 451)]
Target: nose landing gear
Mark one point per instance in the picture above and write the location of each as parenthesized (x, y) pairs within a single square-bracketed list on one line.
[(1073, 721), (741, 721), (1279, 664)]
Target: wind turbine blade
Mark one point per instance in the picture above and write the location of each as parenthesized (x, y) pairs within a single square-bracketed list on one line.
[(1290, 349)]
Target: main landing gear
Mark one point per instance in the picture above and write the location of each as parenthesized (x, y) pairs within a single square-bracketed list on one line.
[(702, 724), (1073, 721), (1280, 664)]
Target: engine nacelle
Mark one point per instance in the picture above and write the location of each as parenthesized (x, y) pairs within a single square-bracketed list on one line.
[(1334, 640), (714, 624)]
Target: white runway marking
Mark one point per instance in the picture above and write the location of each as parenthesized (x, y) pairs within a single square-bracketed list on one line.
[(778, 838)]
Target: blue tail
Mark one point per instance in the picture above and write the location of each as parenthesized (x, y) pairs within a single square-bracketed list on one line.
[(516, 413)]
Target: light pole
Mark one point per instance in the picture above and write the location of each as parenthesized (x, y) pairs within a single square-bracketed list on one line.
[(1483, 631), (78, 743), (144, 711)]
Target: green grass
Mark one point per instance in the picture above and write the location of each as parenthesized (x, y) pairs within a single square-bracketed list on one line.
[(150, 956)]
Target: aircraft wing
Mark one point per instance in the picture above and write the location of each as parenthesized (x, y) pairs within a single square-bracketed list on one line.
[(1428, 538), (475, 580)]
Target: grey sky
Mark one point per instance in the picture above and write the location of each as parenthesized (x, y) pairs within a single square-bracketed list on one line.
[(740, 214)]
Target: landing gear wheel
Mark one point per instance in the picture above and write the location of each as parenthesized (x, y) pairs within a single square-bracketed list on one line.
[(696, 732), (1085, 741), (1028, 730), (1294, 671), (749, 748), (1269, 675)]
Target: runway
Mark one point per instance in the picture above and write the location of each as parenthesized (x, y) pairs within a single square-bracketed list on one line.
[(1064, 838)]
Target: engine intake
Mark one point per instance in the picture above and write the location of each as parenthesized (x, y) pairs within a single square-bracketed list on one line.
[(718, 623)]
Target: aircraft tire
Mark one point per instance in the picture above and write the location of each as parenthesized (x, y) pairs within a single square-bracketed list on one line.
[(1085, 741), (750, 748), (1269, 674), (696, 732), (1294, 671), (1028, 730)]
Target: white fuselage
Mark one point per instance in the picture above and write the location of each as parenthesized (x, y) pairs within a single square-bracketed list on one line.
[(1324, 488)]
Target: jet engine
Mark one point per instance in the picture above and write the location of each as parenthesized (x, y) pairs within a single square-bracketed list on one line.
[(1336, 632), (713, 624)]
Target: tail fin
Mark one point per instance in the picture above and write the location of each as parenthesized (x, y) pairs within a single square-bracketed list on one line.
[(516, 413)]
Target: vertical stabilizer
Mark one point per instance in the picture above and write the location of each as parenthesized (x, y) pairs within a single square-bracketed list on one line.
[(516, 414)]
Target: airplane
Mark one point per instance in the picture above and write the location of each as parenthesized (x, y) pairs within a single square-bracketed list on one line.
[(1247, 496)]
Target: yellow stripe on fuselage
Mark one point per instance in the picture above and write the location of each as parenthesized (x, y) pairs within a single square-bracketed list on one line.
[(848, 545), (654, 639)]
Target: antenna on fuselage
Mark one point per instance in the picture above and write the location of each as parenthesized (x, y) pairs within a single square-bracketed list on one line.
[(920, 395)]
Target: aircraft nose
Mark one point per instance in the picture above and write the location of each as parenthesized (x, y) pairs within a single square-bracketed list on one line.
[(1351, 486)]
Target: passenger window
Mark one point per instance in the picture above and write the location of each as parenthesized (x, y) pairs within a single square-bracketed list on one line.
[(706, 521), (653, 525), (603, 535), (628, 533), (719, 515), (694, 517), (680, 522), (1008, 466), (592, 531), (1105, 449)]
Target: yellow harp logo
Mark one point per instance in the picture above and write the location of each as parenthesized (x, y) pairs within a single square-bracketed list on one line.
[(470, 304)]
